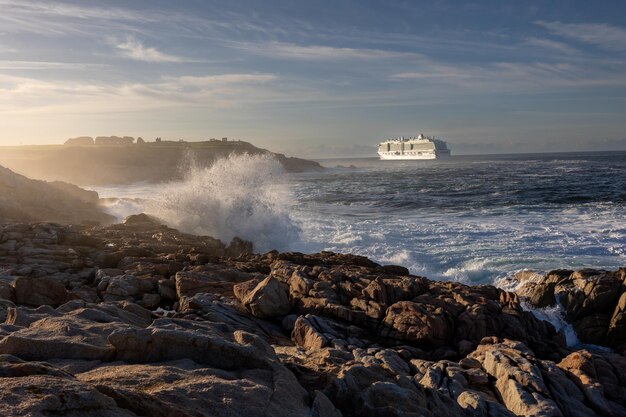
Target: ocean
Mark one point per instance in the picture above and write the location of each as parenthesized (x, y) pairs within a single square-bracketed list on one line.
[(474, 219)]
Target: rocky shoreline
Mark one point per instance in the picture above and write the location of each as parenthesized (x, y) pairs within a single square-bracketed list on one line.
[(139, 319)]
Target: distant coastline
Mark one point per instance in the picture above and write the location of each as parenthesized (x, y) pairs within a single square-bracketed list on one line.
[(158, 161)]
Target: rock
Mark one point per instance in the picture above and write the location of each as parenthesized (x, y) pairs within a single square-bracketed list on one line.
[(79, 333), (416, 322), (123, 287), (589, 292), (45, 395), (323, 407), (242, 289), (7, 291), (23, 199), (519, 381), (40, 291), (268, 299), (593, 302), (150, 300), (142, 220), (60, 338), (601, 378), (478, 405), (209, 278), (306, 333), (237, 355), (617, 326)]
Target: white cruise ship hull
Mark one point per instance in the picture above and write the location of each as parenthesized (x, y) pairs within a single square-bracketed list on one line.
[(401, 157)]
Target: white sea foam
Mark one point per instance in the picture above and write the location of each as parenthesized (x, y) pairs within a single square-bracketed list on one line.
[(121, 208), (555, 315), (242, 196)]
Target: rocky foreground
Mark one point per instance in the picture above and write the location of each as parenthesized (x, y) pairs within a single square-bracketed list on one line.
[(141, 320)]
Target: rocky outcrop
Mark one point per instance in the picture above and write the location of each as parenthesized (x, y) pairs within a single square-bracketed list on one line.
[(593, 301), (138, 319), (23, 199)]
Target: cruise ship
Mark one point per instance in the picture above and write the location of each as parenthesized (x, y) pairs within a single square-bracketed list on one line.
[(419, 147)]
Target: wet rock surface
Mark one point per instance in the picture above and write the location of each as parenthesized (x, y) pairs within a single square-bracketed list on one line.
[(140, 320), (594, 301)]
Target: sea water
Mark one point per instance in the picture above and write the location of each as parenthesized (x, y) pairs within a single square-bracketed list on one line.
[(470, 219)]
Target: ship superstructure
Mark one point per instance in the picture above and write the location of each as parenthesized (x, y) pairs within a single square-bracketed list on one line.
[(418, 147)]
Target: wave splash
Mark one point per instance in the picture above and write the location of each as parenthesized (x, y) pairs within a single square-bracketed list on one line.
[(242, 196)]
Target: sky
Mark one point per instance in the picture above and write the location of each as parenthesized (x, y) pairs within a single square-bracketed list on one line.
[(317, 78)]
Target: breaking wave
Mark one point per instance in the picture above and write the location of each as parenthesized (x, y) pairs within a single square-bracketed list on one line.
[(242, 196)]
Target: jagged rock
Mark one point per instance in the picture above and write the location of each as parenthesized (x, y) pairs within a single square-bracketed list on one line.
[(210, 278), (601, 378), (306, 333), (478, 405), (46, 395), (518, 380), (590, 292), (371, 391), (141, 220), (268, 299), (7, 291), (246, 368), (593, 302), (40, 291), (617, 327), (416, 322), (79, 333)]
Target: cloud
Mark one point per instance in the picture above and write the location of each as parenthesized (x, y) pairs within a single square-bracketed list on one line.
[(45, 65), (320, 52), (134, 49), (551, 45), (600, 34), (31, 95), (512, 76)]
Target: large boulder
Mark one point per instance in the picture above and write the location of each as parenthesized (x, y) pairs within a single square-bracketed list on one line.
[(269, 298), (424, 324), (40, 291), (210, 278)]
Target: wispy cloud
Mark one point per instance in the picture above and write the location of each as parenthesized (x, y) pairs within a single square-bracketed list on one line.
[(512, 76), (133, 49), (600, 34), (551, 45), (320, 52), (45, 65), (24, 94)]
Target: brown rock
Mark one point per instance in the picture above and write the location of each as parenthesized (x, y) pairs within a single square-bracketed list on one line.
[(306, 333), (268, 299), (417, 322), (40, 291)]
